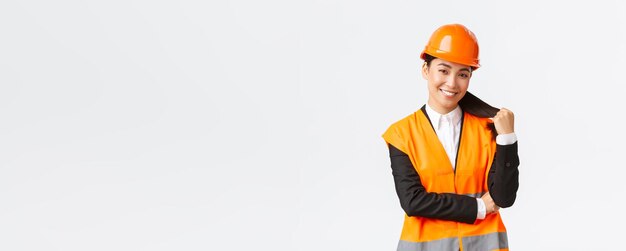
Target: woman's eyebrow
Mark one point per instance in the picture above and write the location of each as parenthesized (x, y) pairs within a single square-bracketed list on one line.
[(446, 65), (450, 67)]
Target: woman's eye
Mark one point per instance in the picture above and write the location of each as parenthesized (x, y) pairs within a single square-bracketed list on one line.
[(464, 75), (443, 71)]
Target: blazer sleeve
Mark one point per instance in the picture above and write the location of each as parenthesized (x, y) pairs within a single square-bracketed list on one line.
[(416, 201), (503, 177)]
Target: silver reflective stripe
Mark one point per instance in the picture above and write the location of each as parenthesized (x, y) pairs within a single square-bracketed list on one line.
[(497, 240), (474, 195), (436, 245)]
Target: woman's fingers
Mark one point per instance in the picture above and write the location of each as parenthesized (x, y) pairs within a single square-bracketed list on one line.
[(504, 121)]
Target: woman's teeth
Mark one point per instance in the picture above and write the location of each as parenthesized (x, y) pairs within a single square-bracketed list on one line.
[(447, 93)]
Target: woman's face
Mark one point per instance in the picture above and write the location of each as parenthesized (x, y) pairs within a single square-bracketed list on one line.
[(447, 83)]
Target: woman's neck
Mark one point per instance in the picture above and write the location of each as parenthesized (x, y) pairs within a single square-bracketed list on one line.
[(439, 109)]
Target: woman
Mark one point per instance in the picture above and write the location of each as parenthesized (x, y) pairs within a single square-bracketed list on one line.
[(454, 161)]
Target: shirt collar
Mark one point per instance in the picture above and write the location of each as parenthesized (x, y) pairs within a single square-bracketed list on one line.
[(436, 118)]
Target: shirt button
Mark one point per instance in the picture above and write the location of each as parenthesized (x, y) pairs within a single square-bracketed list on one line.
[(508, 164)]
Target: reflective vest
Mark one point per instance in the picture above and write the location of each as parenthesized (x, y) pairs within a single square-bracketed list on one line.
[(415, 136)]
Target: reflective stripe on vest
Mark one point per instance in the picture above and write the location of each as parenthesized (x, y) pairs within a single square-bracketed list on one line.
[(415, 136), (492, 241), (437, 245), (475, 195)]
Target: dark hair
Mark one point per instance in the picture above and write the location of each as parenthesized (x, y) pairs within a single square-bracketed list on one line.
[(428, 58), (472, 104)]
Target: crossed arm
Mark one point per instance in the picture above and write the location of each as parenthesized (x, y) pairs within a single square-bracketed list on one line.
[(502, 183)]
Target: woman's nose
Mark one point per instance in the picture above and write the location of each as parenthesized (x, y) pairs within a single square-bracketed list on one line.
[(451, 81)]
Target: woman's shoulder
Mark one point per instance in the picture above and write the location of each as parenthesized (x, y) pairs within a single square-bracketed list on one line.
[(400, 131), (470, 117), (408, 123), (481, 126)]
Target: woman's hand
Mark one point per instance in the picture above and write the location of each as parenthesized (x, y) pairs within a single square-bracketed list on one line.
[(489, 204), (503, 121)]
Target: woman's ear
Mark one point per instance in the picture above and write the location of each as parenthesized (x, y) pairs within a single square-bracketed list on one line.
[(425, 71)]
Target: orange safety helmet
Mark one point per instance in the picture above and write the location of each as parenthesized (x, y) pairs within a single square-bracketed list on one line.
[(454, 43)]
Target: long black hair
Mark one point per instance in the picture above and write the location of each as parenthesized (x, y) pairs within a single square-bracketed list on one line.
[(472, 104)]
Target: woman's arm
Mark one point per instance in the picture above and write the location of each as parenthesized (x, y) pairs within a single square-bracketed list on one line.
[(416, 201), (503, 177)]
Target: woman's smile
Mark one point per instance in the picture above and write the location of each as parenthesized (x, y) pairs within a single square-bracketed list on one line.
[(448, 94)]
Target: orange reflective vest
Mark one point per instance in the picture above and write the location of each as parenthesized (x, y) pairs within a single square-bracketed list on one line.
[(415, 136)]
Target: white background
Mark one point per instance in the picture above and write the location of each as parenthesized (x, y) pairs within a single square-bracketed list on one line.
[(256, 125)]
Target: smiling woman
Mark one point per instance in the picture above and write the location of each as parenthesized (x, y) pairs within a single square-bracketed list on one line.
[(451, 174), (468, 103)]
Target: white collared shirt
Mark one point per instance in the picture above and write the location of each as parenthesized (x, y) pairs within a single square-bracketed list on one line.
[(448, 129)]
